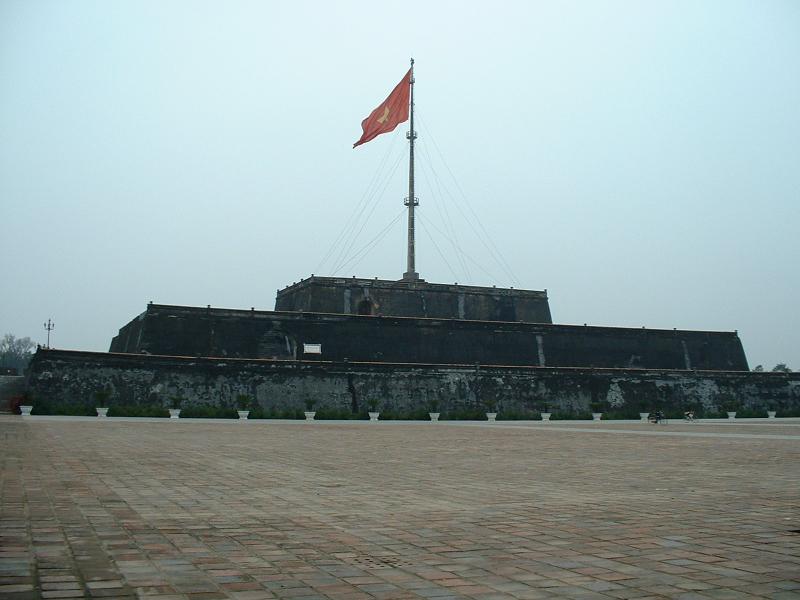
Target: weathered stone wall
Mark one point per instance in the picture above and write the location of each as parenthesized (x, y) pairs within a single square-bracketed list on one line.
[(130, 337), (189, 331), (10, 386), (64, 376), (413, 299)]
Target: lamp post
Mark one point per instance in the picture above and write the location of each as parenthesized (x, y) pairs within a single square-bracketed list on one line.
[(49, 326)]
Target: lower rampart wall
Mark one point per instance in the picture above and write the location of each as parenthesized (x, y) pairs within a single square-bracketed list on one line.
[(58, 376)]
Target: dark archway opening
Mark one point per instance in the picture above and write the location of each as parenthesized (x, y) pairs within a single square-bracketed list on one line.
[(365, 307)]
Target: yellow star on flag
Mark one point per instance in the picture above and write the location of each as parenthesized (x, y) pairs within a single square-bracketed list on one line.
[(385, 115)]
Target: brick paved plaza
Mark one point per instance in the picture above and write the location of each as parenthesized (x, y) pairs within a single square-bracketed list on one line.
[(205, 510)]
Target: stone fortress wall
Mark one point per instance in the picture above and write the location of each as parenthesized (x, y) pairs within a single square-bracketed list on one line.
[(407, 344), (416, 298), (189, 331), (69, 376)]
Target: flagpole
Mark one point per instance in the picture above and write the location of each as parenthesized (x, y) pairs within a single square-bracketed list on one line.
[(411, 201)]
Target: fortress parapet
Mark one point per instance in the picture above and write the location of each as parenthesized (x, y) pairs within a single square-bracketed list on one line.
[(251, 334), (416, 298)]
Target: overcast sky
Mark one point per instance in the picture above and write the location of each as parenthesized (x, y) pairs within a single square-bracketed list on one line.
[(639, 160)]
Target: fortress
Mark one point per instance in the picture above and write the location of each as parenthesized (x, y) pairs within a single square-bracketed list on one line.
[(324, 319), (408, 345)]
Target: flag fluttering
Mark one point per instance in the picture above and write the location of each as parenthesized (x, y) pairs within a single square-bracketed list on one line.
[(389, 114)]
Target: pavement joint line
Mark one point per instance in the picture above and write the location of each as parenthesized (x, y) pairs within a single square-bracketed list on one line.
[(756, 436)]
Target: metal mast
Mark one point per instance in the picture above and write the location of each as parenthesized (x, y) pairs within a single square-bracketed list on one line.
[(412, 201), (49, 326)]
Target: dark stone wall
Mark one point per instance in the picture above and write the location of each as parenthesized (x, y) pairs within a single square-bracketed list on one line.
[(11, 386), (131, 337), (73, 377), (188, 331), (413, 299)]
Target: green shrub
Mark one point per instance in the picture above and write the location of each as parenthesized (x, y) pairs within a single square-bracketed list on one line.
[(420, 414), (464, 414), (519, 415), (621, 414), (45, 407), (792, 412), (274, 413), (571, 416), (138, 410), (598, 407), (259, 412), (750, 413), (336, 414), (676, 413), (244, 402), (713, 414), (491, 403), (207, 411), (101, 397)]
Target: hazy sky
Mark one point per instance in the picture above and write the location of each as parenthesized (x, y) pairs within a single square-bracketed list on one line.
[(639, 160)]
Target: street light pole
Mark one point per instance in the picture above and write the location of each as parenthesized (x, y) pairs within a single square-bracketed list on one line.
[(49, 326)]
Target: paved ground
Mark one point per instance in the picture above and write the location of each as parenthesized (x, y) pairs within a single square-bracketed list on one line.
[(202, 510)]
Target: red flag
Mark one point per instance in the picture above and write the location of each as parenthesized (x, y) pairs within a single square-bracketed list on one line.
[(389, 114)]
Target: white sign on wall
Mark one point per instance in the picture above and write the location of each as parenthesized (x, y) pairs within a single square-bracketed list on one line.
[(312, 348)]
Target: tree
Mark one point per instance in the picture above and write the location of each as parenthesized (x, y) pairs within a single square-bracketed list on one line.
[(758, 369), (781, 368), (15, 352)]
